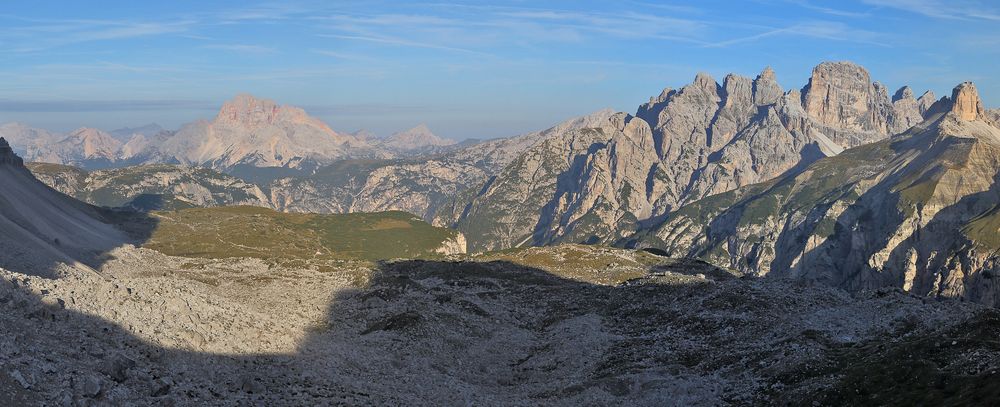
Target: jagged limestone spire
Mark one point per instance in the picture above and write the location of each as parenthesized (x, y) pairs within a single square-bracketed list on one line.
[(903, 93), (966, 104), (767, 74), (705, 80)]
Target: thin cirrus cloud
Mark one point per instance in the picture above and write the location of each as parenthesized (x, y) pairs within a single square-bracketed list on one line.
[(403, 43), (341, 55), (474, 29), (952, 9), (502, 24), (622, 25), (40, 35), (808, 5), (243, 48), (833, 31), (84, 106)]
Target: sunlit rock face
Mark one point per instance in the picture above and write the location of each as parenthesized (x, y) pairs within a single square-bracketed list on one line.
[(966, 102), (601, 184), (916, 211)]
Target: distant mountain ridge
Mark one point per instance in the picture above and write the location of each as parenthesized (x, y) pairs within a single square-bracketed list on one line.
[(124, 134), (247, 131), (418, 140)]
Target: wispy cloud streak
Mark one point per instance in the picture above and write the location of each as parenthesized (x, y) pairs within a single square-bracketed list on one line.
[(403, 43), (80, 106), (832, 31), (957, 9)]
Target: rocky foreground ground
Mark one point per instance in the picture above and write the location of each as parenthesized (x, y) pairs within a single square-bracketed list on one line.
[(565, 325)]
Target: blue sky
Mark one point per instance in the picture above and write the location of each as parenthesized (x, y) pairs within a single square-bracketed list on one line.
[(467, 69)]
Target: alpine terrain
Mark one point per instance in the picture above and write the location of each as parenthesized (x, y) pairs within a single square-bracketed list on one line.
[(916, 211), (243, 305), (412, 206)]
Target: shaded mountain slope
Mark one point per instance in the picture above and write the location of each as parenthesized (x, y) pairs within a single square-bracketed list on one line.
[(42, 227)]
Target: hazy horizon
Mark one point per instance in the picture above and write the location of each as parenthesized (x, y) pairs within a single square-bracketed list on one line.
[(466, 70)]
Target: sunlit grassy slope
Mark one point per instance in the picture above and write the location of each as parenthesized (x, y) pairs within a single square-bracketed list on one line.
[(244, 231)]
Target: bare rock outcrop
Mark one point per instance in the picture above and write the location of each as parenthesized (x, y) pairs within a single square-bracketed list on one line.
[(159, 186), (7, 156), (842, 95), (925, 102), (766, 90), (909, 110), (453, 246), (707, 138), (250, 112), (916, 211), (966, 104)]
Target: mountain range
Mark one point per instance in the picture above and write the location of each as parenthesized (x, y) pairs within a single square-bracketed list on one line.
[(244, 306), (729, 243), (600, 177), (247, 131), (917, 211), (608, 177)]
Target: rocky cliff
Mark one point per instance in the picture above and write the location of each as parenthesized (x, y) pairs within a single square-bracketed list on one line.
[(147, 187), (602, 183), (425, 186), (601, 177), (917, 211)]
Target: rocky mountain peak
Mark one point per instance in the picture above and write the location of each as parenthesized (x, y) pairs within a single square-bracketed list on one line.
[(903, 93), (245, 110), (766, 90), (89, 133), (653, 100), (364, 135), (926, 101), (767, 75), (95, 143), (705, 81), (835, 91), (7, 156), (418, 137), (842, 95), (966, 104)]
